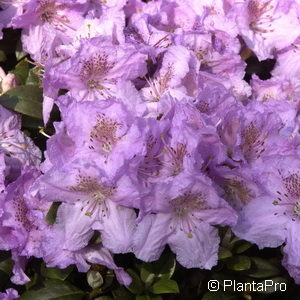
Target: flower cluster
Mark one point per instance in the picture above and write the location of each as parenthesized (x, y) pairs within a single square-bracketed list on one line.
[(160, 137)]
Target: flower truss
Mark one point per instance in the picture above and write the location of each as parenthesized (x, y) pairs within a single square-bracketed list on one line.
[(160, 137)]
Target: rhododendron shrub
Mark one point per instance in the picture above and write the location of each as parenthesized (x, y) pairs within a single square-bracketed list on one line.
[(128, 132)]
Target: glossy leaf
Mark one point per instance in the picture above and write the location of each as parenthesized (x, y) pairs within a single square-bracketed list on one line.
[(226, 235), (242, 246), (31, 123), (51, 215), (165, 286), (21, 71), (147, 274), (165, 266), (122, 293), (56, 273), (136, 287), (239, 263), (6, 263), (224, 253), (20, 54), (33, 281), (263, 268), (33, 78), (6, 266), (25, 99), (54, 290)]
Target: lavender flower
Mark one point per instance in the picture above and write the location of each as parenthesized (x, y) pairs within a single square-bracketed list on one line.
[(187, 209), (96, 67)]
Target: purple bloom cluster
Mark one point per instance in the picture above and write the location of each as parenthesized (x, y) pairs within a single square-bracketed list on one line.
[(161, 139)]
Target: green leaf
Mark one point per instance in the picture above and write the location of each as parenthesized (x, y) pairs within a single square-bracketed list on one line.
[(6, 266), (55, 273), (54, 290), (242, 247), (165, 266), (20, 54), (226, 234), (165, 286), (233, 242), (122, 293), (25, 99), (147, 274), (31, 123), (136, 287), (239, 263), (33, 78), (34, 280), (162, 268), (51, 215), (4, 255), (21, 71), (263, 268), (224, 253)]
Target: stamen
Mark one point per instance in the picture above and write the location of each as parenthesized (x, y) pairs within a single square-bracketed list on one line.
[(49, 11), (292, 186), (257, 17), (156, 161), (184, 207), (105, 133), (95, 69), (98, 194), (42, 131), (8, 142), (159, 85), (252, 142), (237, 192)]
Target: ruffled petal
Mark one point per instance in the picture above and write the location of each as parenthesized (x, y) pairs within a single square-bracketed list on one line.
[(199, 250), (151, 236)]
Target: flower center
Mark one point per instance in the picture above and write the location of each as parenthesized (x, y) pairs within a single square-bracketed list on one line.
[(288, 199), (187, 203), (257, 18), (47, 10), (105, 133), (252, 142), (237, 192), (159, 85), (95, 69), (162, 159), (184, 208), (98, 194)]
